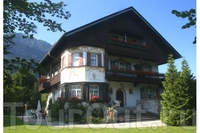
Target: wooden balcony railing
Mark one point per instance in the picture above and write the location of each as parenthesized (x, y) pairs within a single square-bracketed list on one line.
[(48, 83), (127, 43), (55, 79), (147, 77), (44, 85)]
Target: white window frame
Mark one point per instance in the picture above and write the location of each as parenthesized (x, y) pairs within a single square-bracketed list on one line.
[(76, 91), (75, 59), (93, 59), (93, 90)]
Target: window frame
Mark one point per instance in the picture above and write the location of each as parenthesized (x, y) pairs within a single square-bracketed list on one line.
[(92, 58), (77, 89), (148, 93), (92, 89), (75, 59)]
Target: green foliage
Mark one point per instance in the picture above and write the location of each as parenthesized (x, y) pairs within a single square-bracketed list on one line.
[(44, 98), (21, 127), (22, 14), (55, 107), (20, 85), (190, 15), (23, 89), (176, 108), (77, 105), (188, 82), (97, 120)]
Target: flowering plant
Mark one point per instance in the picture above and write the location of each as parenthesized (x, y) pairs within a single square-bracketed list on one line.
[(42, 79), (95, 99), (74, 99)]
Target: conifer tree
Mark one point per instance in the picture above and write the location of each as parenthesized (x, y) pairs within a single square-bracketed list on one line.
[(175, 99), (188, 84)]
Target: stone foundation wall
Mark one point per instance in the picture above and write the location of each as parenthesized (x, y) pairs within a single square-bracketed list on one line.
[(150, 105)]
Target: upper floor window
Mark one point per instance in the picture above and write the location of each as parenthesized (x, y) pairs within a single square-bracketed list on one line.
[(120, 65), (75, 91), (93, 91), (147, 67), (93, 59), (48, 75), (75, 59), (63, 62)]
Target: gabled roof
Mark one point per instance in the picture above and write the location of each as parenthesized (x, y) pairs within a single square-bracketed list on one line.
[(131, 10)]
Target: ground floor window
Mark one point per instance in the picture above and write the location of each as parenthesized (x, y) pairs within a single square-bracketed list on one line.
[(75, 91), (61, 91), (93, 91), (148, 93)]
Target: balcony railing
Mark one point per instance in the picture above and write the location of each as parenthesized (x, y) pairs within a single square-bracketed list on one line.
[(134, 76), (127, 43), (55, 79), (45, 84)]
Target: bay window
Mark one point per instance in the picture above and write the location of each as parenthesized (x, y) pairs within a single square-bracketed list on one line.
[(93, 91), (75, 91), (93, 59), (75, 59)]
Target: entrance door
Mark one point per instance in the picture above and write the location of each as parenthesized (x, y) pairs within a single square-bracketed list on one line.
[(120, 96)]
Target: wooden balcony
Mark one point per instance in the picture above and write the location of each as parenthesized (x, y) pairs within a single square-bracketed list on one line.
[(127, 43), (55, 79), (45, 86), (134, 77)]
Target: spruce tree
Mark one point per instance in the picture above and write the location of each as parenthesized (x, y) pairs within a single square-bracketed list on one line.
[(175, 98), (188, 84)]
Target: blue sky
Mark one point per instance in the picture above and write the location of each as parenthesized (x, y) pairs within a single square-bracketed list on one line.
[(156, 12)]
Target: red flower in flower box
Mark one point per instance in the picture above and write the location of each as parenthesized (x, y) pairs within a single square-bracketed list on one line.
[(95, 99), (42, 79), (74, 99)]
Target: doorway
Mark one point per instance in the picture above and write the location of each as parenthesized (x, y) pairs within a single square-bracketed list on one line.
[(120, 96)]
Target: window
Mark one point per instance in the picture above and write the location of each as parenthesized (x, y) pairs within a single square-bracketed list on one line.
[(75, 57), (120, 65), (48, 75), (61, 91), (63, 62), (147, 67), (148, 93), (75, 91), (93, 90), (93, 60)]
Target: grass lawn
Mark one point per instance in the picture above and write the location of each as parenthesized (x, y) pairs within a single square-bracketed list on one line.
[(26, 128)]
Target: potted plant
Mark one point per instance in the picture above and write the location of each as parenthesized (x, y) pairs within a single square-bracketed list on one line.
[(95, 99), (111, 111)]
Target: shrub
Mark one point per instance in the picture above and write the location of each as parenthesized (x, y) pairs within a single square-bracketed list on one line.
[(77, 105), (59, 104)]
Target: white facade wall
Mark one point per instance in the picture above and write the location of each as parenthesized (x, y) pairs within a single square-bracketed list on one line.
[(83, 73)]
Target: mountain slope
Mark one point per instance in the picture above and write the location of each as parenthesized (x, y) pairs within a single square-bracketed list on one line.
[(28, 48)]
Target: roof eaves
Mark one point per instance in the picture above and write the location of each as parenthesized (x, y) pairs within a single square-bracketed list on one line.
[(52, 47)]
